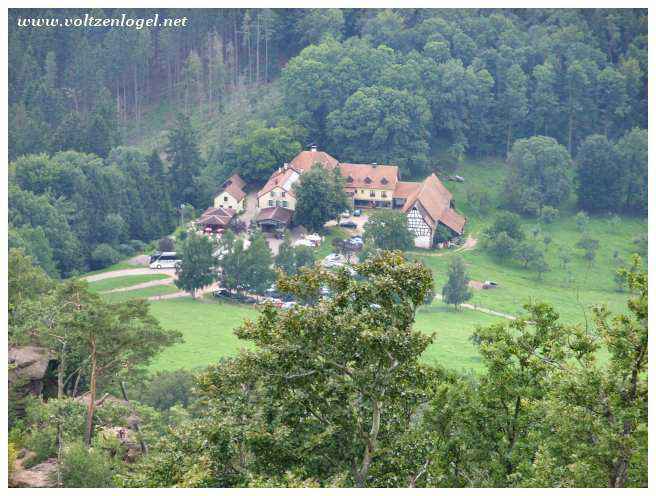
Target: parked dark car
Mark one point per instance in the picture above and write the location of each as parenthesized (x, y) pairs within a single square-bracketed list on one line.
[(357, 213), (349, 224), (222, 293)]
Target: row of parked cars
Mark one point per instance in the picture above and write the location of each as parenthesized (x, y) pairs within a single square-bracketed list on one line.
[(271, 296)]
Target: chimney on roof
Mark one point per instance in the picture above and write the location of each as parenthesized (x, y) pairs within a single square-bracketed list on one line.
[(313, 147)]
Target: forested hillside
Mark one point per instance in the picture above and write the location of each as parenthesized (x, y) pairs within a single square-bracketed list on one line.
[(417, 88)]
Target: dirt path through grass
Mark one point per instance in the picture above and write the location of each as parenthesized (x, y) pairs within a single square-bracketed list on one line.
[(128, 272), (148, 284), (482, 309)]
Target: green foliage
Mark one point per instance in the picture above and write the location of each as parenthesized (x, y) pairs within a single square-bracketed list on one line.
[(607, 403), (290, 259), (527, 252), (258, 275), (104, 255), (33, 242), (320, 197), (385, 124), (632, 154), (582, 221), (82, 467), (183, 153), (25, 282), (11, 459), (640, 242), (77, 201), (456, 291), (166, 244), (589, 247), (261, 150), (307, 383), (388, 230), (502, 246), (196, 269), (317, 24), (540, 174), (548, 214), (509, 223), (166, 389), (34, 211), (602, 178), (246, 269)]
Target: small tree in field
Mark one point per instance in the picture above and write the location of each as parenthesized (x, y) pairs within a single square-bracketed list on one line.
[(456, 290), (196, 268), (589, 247)]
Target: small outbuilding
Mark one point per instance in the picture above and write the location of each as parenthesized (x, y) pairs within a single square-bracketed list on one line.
[(215, 219), (273, 219)]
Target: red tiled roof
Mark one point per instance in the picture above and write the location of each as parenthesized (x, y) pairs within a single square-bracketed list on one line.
[(404, 189), (236, 192), (235, 179), (307, 158), (453, 220), (279, 214), (370, 176), (280, 178), (216, 216), (436, 201), (233, 185)]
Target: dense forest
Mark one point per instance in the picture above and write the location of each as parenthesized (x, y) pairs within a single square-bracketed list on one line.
[(414, 87)]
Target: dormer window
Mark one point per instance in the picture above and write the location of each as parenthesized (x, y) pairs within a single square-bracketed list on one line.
[(384, 180), (349, 179), (367, 180)]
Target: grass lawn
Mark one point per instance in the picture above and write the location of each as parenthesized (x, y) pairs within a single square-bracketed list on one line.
[(572, 290), (161, 289), (124, 282), (206, 326), (117, 266), (451, 347)]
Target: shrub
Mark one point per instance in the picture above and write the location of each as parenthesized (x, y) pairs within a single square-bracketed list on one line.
[(641, 244), (501, 246), (548, 214), (43, 442), (166, 244), (86, 468), (11, 458), (137, 245), (103, 256), (125, 250), (166, 389), (509, 223), (582, 220)]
